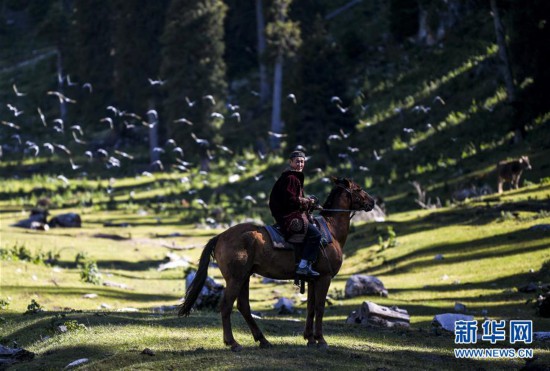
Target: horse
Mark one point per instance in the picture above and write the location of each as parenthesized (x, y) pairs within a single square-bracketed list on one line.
[(246, 248)]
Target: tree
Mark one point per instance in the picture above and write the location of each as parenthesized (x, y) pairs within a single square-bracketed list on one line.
[(194, 69), (93, 62), (284, 37)]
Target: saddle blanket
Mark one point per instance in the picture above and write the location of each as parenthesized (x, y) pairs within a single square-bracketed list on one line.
[(279, 241)]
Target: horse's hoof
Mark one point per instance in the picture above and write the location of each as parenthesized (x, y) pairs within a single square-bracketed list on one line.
[(236, 348), (322, 346), (311, 344), (264, 344)]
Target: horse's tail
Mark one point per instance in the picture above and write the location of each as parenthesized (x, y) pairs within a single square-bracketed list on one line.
[(196, 285)]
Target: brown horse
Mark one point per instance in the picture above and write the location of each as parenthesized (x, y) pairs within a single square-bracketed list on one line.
[(246, 248)]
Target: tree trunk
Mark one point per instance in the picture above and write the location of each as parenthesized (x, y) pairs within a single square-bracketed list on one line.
[(506, 70), (62, 103), (260, 27), (276, 124)]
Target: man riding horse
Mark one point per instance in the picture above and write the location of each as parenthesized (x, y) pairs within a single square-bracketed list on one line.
[(291, 209)]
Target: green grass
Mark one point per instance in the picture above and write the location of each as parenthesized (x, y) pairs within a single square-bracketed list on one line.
[(487, 255)]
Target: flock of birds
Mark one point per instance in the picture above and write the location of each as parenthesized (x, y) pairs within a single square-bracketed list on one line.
[(16, 138)]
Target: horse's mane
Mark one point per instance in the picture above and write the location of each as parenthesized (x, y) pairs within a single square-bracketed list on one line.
[(332, 195)]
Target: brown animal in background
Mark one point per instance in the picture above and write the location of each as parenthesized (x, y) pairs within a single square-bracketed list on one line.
[(511, 172)]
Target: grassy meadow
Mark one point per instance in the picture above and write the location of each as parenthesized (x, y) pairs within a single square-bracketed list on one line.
[(487, 247)]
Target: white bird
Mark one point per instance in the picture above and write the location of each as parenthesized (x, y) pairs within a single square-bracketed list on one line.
[(172, 142), (108, 120), (353, 149), (112, 162), (376, 156), (89, 154), (232, 107), (42, 117), (62, 98), (189, 102), (202, 142), (210, 98), (156, 82), (14, 109), (69, 82), (291, 97), (77, 140), (237, 115), (344, 135), (363, 168), (146, 173), (217, 115), (408, 130), (153, 113), (17, 92), (224, 148), (439, 99), (276, 135), (159, 164), (34, 147), (159, 150), (114, 110), (336, 100), (50, 147), (334, 137), (124, 154), (63, 179), (250, 199), (10, 124), (77, 128), (258, 177), (103, 152), (17, 137), (342, 109), (63, 148), (73, 165), (87, 86), (183, 120)]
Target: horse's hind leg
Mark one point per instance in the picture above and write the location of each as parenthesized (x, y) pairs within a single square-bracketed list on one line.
[(230, 294), (243, 304)]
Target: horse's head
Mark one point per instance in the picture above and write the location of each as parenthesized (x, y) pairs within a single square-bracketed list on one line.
[(360, 200)]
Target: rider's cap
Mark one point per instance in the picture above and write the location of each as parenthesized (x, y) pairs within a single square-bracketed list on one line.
[(297, 154)]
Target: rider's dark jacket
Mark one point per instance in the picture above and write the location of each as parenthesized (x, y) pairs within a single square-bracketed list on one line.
[(289, 206)]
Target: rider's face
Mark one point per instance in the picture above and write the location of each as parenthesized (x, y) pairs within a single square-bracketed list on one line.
[(297, 163)]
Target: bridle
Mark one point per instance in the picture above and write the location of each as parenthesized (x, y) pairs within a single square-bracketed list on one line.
[(353, 198)]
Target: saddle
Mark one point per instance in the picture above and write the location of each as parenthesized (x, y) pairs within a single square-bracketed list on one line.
[(279, 242)]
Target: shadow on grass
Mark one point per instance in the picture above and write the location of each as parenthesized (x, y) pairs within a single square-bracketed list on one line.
[(364, 348)]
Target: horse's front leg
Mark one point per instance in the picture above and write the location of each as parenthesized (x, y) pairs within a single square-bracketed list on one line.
[(308, 330), (321, 289)]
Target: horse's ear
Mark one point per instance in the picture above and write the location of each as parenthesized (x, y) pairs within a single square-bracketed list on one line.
[(333, 179)]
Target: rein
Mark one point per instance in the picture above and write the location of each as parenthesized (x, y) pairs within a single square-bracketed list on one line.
[(343, 210)]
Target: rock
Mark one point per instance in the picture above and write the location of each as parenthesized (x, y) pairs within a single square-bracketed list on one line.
[(128, 310), (373, 314), (358, 285), (447, 321), (540, 227), (148, 352), (89, 296), (460, 308), (530, 287), (69, 220), (9, 356), (210, 294), (438, 257), (284, 306)]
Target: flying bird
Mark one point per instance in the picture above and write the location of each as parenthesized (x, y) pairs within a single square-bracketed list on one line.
[(439, 99), (62, 98), (237, 115), (50, 147), (73, 165), (201, 202), (14, 109), (124, 154), (153, 113), (108, 120), (156, 82), (276, 135), (77, 140), (69, 82), (10, 124), (63, 148), (63, 179), (77, 128), (42, 117), (17, 92), (250, 199), (217, 115), (376, 156), (291, 97), (87, 86), (189, 102), (210, 98), (224, 148), (183, 120), (178, 150), (202, 142)]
